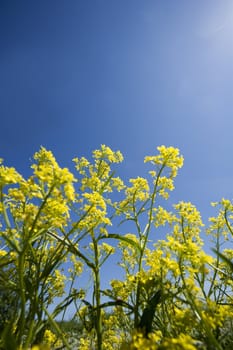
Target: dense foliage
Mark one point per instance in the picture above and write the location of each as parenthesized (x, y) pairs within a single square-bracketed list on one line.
[(57, 227)]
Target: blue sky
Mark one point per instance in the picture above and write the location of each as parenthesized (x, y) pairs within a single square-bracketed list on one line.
[(130, 74)]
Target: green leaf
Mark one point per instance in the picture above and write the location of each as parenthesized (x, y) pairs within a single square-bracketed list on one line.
[(121, 238), (224, 258), (72, 248)]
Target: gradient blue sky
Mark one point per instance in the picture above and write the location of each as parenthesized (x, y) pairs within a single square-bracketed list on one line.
[(131, 74)]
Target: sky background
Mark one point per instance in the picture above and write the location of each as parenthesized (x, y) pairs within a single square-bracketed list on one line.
[(131, 74)]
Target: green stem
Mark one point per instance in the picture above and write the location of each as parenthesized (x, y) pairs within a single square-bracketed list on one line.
[(192, 302), (58, 330), (143, 243), (97, 289), (41, 208), (7, 221), (30, 334), (213, 279), (22, 296)]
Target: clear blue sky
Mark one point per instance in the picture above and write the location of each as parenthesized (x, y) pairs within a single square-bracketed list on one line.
[(131, 74)]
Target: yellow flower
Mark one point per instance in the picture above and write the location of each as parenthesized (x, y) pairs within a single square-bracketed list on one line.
[(139, 189), (162, 216), (182, 342), (95, 199), (9, 176), (107, 248), (49, 337), (117, 183), (2, 252), (84, 344), (167, 157), (140, 342), (77, 265), (58, 283), (106, 153)]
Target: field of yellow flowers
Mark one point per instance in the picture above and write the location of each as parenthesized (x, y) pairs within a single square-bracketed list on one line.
[(57, 226)]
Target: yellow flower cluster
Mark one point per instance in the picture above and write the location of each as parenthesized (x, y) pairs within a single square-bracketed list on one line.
[(41, 347), (41, 202), (122, 289), (182, 342), (9, 176), (49, 337), (161, 217), (115, 333), (153, 342), (106, 249), (54, 222), (2, 253), (168, 157), (58, 283), (106, 153), (222, 223), (139, 191), (96, 182), (129, 251), (77, 267)]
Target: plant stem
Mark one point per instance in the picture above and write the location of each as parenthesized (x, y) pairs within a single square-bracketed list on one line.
[(98, 320), (22, 295)]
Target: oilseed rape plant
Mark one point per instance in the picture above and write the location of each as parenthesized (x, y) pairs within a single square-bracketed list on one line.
[(60, 231)]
